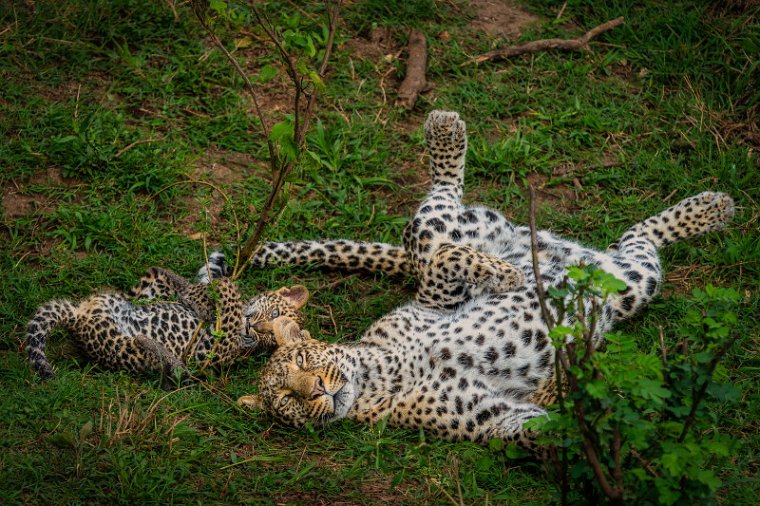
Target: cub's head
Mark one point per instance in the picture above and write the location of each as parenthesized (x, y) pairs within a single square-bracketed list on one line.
[(261, 311), (302, 381)]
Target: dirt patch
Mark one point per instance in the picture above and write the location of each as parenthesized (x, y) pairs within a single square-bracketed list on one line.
[(501, 18), (19, 198), (224, 170), (380, 45), (376, 491), (561, 197)]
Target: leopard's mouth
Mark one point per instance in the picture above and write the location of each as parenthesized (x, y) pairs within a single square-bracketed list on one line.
[(256, 333), (342, 400)]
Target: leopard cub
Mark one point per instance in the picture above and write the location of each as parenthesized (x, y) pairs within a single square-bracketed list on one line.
[(163, 324)]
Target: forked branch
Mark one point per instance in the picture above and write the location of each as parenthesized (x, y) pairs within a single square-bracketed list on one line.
[(280, 165), (579, 44)]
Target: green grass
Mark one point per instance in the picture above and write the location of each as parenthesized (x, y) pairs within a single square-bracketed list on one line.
[(107, 105)]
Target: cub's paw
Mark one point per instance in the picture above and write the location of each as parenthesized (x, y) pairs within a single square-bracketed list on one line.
[(285, 330), (216, 266), (445, 131)]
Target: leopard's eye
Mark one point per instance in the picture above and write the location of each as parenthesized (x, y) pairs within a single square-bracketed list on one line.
[(300, 359), (275, 313), (284, 400)]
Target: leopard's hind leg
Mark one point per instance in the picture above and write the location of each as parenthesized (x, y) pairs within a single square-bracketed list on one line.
[(158, 283), (49, 316), (135, 354), (635, 254), (446, 138)]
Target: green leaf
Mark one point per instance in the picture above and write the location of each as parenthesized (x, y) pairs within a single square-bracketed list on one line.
[(86, 430), (560, 333), (496, 444), (609, 283), (515, 452), (707, 477), (311, 49), (597, 389), (672, 463), (219, 7), (267, 73), (723, 392), (577, 274), (316, 80), (282, 129), (63, 439)]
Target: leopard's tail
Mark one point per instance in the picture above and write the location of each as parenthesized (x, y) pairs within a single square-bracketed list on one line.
[(49, 316)]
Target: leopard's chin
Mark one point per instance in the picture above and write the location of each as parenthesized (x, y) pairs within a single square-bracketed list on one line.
[(343, 401)]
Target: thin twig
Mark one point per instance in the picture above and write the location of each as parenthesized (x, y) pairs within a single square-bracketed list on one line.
[(647, 466), (550, 322), (548, 318), (561, 11), (299, 134), (613, 493), (579, 44), (130, 146), (200, 14)]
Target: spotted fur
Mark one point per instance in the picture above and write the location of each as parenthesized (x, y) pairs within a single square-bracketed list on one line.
[(139, 332), (337, 254), (470, 357)]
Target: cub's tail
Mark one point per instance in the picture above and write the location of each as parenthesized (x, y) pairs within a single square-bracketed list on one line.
[(49, 316)]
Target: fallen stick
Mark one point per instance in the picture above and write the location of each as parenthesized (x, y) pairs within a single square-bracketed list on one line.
[(414, 82), (579, 44)]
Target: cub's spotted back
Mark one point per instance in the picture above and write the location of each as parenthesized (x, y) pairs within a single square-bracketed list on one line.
[(143, 331)]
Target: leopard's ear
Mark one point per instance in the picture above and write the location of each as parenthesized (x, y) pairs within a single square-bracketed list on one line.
[(251, 401), (297, 295), (288, 332)]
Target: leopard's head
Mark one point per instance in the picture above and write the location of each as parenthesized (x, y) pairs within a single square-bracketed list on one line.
[(261, 311), (302, 381)]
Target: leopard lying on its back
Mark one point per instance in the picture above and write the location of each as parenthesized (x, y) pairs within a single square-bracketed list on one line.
[(118, 331), (467, 358)]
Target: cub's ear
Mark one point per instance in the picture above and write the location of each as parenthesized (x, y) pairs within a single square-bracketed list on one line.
[(250, 401), (297, 295), (287, 332)]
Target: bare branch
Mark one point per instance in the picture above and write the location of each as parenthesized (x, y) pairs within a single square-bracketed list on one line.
[(200, 15), (414, 82), (301, 126), (547, 316), (579, 44), (615, 494)]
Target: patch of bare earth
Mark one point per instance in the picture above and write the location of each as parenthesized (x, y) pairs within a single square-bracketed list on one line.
[(500, 18), (221, 172), (374, 490), (561, 197), (25, 199), (20, 198)]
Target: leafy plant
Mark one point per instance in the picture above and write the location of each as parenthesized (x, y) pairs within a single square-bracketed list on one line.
[(631, 424)]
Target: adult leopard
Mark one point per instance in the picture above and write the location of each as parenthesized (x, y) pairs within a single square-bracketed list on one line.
[(467, 358)]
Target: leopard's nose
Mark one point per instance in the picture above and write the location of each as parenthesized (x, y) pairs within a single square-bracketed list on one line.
[(319, 388)]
